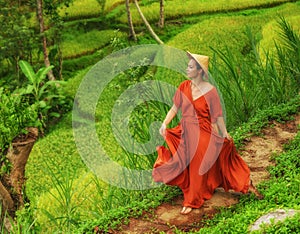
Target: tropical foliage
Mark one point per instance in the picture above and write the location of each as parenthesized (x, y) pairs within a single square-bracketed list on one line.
[(255, 67)]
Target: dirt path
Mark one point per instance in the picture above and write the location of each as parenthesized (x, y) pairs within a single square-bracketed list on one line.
[(256, 153)]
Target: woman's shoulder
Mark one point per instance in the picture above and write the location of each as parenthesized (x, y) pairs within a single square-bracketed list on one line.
[(208, 87), (211, 91), (184, 84)]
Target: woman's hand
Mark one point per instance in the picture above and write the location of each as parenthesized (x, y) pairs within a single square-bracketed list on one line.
[(222, 128), (171, 114), (162, 130), (226, 135)]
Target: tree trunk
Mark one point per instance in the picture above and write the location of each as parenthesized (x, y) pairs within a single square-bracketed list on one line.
[(132, 34), (147, 24), (6, 199), (12, 183), (161, 22), (60, 59), (44, 39)]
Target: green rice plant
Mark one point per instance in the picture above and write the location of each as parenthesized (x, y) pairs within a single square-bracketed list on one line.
[(173, 9), (178, 9), (271, 34), (89, 199), (73, 84), (252, 85), (81, 9), (63, 213), (75, 44), (145, 121), (289, 54), (62, 153), (111, 4), (208, 32), (140, 120)]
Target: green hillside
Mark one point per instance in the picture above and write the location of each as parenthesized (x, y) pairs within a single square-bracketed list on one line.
[(239, 36)]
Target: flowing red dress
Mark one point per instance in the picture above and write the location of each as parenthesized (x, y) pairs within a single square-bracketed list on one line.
[(197, 159)]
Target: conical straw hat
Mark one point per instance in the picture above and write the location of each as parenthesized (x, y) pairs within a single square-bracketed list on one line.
[(202, 60)]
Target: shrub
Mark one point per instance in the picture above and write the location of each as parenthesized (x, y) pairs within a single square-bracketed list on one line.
[(15, 116), (45, 97)]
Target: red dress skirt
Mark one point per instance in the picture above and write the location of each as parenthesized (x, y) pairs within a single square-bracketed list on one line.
[(197, 159)]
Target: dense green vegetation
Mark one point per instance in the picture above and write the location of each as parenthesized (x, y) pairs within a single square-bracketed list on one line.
[(282, 190), (254, 49)]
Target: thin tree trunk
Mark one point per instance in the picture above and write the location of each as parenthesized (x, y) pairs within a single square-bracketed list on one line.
[(60, 57), (8, 209), (5, 199), (18, 156), (147, 24), (44, 39), (161, 14), (132, 34), (12, 183)]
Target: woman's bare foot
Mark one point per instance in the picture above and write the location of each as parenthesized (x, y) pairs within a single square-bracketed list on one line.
[(254, 190), (186, 210)]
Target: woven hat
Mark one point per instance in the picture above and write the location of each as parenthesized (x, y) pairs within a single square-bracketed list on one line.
[(202, 60)]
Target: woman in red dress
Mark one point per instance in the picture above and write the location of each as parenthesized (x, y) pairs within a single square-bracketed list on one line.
[(201, 155)]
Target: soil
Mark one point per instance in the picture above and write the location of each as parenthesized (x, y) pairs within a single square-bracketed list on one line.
[(257, 153)]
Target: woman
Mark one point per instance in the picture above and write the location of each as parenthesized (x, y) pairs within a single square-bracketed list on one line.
[(201, 155)]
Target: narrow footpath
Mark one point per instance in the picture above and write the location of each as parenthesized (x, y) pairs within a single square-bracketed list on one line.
[(256, 152)]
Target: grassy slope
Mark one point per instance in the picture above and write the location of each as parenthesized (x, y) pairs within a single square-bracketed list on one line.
[(236, 23), (281, 191), (210, 33), (180, 10), (64, 152)]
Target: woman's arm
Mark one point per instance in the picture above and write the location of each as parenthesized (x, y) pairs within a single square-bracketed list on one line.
[(170, 115), (222, 127)]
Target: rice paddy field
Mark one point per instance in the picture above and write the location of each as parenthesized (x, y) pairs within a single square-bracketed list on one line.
[(242, 40)]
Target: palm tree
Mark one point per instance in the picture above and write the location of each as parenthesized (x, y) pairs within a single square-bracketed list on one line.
[(147, 23), (132, 34), (161, 22), (44, 39)]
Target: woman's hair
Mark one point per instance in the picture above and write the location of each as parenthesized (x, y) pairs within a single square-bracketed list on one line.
[(197, 64)]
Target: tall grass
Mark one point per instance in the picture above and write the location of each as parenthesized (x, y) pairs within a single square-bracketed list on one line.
[(64, 216), (24, 223), (255, 84), (289, 54)]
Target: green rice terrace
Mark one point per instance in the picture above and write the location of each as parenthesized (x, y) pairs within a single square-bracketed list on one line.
[(54, 177)]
